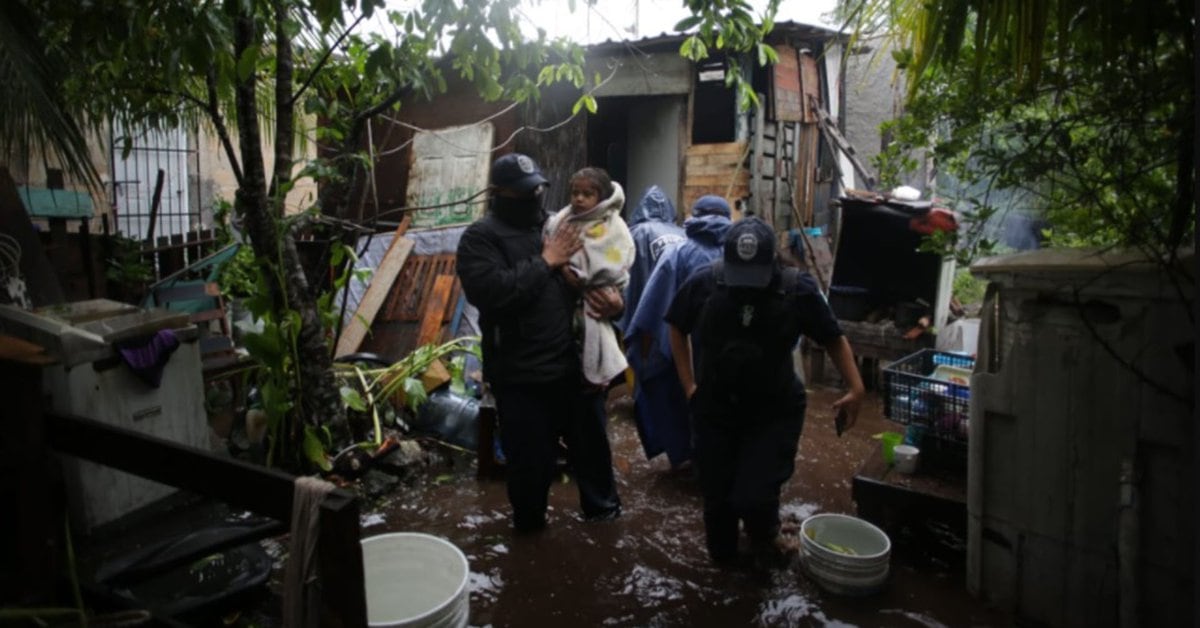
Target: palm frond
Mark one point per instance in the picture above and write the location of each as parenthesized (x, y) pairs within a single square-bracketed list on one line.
[(33, 116)]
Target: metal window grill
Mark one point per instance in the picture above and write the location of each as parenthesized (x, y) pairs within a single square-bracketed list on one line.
[(135, 182)]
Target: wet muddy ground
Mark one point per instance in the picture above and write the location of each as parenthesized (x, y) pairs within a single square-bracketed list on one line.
[(649, 567)]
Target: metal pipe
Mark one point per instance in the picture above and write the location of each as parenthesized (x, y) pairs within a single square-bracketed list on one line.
[(1128, 547)]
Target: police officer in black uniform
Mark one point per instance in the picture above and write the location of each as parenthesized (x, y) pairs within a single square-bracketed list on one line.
[(530, 358), (743, 316)]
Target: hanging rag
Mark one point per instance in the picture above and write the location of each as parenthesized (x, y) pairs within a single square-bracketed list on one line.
[(301, 595), (147, 356)]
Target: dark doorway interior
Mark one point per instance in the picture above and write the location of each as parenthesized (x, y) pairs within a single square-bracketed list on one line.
[(608, 137)]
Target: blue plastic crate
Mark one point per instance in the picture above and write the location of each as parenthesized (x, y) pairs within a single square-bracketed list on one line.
[(913, 397)]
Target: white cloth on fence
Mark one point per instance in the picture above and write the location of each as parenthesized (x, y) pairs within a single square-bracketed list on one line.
[(301, 576)]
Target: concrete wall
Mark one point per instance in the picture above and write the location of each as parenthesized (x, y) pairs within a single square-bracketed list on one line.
[(874, 94), (1081, 443), (216, 180)]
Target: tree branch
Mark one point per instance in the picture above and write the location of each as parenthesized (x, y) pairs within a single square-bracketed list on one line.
[(214, 113), (323, 60)]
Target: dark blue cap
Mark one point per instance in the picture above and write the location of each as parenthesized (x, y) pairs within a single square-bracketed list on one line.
[(711, 204), (518, 173), (749, 253)]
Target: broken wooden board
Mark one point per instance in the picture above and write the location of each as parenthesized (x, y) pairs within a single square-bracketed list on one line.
[(13, 349), (381, 286), (818, 259), (435, 310), (408, 301)]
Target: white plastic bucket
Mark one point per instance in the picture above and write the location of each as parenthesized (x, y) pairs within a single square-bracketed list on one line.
[(844, 554), (415, 580)]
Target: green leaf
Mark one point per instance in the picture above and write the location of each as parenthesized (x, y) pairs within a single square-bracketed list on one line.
[(687, 23), (379, 59), (314, 449), (263, 346), (247, 64), (353, 399), (414, 393)]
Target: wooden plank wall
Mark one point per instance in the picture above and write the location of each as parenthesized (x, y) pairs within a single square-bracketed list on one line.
[(715, 169), (776, 181), (397, 328), (170, 254)]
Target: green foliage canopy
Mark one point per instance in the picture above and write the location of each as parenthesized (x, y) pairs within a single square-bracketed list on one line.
[(1084, 108)]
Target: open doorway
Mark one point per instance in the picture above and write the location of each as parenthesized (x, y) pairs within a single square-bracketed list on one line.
[(637, 140)]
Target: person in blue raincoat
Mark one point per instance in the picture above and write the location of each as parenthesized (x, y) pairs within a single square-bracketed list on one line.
[(652, 225), (660, 407)]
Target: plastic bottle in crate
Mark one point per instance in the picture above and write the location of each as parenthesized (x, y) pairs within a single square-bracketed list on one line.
[(919, 408), (949, 359), (901, 404)]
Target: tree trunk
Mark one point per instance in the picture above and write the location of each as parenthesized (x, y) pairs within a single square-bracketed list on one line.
[(319, 401)]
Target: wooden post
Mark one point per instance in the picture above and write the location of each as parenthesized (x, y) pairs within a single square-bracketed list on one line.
[(485, 457), (158, 186), (343, 593), (27, 478), (85, 250), (174, 255), (755, 170)]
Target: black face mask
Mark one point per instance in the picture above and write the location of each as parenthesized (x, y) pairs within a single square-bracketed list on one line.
[(519, 212)]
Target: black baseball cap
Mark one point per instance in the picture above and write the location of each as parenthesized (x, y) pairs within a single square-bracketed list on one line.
[(749, 253), (517, 172)]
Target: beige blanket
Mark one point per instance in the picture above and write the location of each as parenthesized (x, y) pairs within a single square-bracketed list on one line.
[(604, 260)]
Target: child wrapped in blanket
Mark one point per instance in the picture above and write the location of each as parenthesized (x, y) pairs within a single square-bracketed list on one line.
[(604, 260)]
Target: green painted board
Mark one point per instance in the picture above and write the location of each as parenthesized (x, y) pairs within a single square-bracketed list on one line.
[(45, 203)]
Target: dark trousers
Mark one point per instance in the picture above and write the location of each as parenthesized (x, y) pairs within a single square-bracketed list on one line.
[(532, 418), (743, 460)]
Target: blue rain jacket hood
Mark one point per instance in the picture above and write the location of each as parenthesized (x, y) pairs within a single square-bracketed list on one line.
[(652, 225), (655, 206), (706, 235), (709, 229)]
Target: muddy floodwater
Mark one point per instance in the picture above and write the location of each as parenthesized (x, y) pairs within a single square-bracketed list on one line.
[(649, 567)]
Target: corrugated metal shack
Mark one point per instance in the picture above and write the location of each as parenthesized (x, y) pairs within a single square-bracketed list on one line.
[(661, 120)]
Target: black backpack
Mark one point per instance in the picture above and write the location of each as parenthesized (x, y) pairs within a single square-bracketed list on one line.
[(745, 338)]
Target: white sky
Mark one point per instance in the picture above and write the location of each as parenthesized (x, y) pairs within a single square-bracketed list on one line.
[(634, 19)]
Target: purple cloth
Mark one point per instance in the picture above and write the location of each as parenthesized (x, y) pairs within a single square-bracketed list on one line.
[(146, 356)]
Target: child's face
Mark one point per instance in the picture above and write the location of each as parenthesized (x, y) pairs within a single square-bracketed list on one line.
[(584, 195)]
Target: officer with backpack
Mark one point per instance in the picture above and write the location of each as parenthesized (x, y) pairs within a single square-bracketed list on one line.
[(743, 316)]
